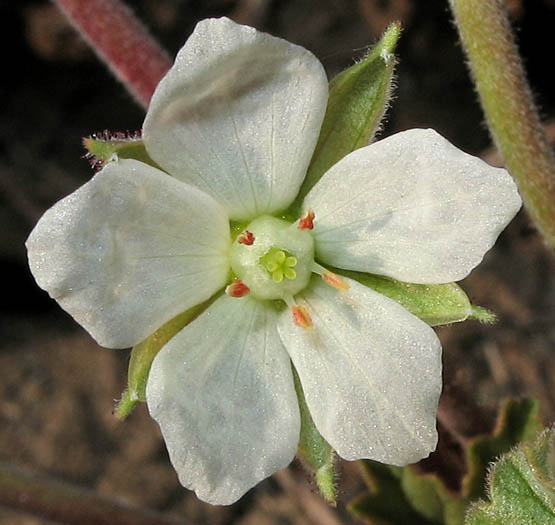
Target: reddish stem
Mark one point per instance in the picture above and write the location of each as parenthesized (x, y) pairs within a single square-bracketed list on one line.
[(122, 42)]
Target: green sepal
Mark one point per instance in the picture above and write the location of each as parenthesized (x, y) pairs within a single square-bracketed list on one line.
[(517, 421), (358, 99), (314, 451), (104, 147), (144, 353), (435, 304), (521, 486)]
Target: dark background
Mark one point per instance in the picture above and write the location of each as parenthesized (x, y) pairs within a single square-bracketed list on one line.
[(57, 387)]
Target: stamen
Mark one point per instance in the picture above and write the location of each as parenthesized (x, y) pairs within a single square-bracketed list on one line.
[(246, 238), (306, 222), (301, 317), (335, 280), (330, 278), (237, 289)]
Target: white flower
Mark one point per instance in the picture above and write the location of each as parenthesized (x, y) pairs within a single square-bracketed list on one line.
[(234, 123)]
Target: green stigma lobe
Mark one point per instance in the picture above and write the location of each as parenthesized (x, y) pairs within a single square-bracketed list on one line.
[(279, 264)]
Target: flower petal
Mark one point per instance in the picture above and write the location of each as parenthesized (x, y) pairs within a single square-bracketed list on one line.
[(222, 392), (129, 250), (370, 371), (238, 116), (423, 211)]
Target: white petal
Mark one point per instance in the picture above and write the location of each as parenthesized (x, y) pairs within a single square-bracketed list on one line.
[(412, 207), (222, 392), (370, 371), (238, 115), (129, 250)]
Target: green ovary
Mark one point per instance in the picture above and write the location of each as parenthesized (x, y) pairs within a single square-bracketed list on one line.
[(279, 263)]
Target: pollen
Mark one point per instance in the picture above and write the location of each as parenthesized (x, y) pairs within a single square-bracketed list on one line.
[(301, 316), (335, 280), (237, 289), (330, 278), (306, 221), (246, 238)]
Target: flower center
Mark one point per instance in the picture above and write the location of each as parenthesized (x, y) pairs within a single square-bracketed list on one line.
[(278, 264)]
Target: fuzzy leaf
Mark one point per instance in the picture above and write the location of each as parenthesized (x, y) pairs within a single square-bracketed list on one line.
[(357, 101), (143, 354), (103, 147), (518, 421), (521, 486), (314, 451), (435, 304)]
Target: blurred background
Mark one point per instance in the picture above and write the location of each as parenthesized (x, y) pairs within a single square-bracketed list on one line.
[(57, 387)]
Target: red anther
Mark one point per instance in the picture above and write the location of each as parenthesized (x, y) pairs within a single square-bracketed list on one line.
[(306, 222), (246, 238), (237, 289), (335, 280), (301, 316)]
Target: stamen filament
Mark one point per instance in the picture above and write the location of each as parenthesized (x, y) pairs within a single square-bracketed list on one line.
[(330, 278)]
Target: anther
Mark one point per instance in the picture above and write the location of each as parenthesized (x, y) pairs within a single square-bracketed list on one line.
[(237, 289), (246, 238), (330, 278), (301, 316), (306, 222), (335, 280)]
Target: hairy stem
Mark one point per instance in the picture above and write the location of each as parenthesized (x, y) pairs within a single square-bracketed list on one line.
[(58, 501), (121, 42), (507, 101)]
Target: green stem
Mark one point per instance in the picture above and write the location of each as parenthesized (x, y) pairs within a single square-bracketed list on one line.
[(507, 101), (58, 501)]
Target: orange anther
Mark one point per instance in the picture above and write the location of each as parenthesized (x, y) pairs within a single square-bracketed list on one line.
[(335, 280), (306, 222), (237, 289), (246, 238), (301, 316)]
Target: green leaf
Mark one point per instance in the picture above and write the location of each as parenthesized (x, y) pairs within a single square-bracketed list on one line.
[(386, 504), (518, 421), (428, 495), (314, 451), (104, 147), (521, 486), (358, 99), (435, 304), (144, 353), (400, 495)]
